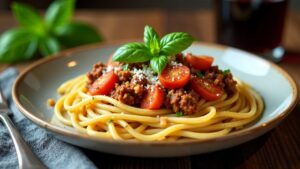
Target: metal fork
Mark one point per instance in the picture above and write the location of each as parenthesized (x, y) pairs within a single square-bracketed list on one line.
[(27, 159)]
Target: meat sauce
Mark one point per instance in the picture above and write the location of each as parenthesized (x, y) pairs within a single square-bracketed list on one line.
[(131, 88)]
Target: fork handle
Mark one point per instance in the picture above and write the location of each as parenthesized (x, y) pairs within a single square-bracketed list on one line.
[(27, 159)]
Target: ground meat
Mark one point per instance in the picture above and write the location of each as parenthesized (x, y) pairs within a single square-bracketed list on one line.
[(96, 72), (136, 65), (131, 88), (221, 79), (141, 79), (129, 93), (124, 75), (181, 100)]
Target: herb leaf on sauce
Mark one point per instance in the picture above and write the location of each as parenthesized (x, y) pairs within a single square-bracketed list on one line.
[(132, 53), (158, 63), (175, 42), (151, 40), (199, 74), (179, 114), (153, 49), (226, 71)]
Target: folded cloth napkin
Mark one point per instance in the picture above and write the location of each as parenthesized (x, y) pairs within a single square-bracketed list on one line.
[(52, 152)]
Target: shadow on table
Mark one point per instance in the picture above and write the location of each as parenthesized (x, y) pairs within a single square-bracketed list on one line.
[(229, 158), (235, 157)]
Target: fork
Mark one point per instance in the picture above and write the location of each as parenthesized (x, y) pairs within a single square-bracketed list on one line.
[(27, 159)]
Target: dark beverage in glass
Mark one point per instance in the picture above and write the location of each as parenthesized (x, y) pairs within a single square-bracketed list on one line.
[(253, 25)]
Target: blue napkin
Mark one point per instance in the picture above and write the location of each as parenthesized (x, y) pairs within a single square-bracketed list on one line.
[(52, 152)]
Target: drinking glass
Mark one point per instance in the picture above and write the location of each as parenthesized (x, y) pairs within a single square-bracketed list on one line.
[(252, 25)]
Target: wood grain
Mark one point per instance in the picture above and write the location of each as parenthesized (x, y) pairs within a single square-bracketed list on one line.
[(279, 148)]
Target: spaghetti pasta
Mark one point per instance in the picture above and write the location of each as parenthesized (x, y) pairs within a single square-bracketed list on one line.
[(152, 91), (101, 116)]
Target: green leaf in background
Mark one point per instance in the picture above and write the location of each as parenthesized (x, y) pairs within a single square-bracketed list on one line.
[(17, 45), (176, 42), (132, 53), (59, 13), (76, 33), (44, 35), (48, 46), (28, 17), (151, 40), (158, 63)]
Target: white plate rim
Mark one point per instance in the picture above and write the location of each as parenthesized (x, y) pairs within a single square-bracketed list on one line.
[(67, 53)]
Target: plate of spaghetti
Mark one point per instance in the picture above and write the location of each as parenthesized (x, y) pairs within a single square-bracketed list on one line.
[(166, 96)]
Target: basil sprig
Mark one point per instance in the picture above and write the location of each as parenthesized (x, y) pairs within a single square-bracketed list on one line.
[(154, 49), (44, 36)]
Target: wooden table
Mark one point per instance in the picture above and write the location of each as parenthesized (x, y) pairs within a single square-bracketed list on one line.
[(279, 148)]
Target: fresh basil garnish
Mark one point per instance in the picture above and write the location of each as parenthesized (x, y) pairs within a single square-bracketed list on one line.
[(44, 35), (199, 74), (158, 63), (179, 114), (132, 53), (176, 42), (125, 67), (154, 50), (151, 40), (226, 71)]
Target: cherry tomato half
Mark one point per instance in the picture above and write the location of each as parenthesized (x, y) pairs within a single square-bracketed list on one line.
[(173, 77), (104, 84), (154, 98), (199, 62), (206, 90)]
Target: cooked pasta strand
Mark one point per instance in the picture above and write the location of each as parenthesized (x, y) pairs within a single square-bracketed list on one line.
[(104, 117)]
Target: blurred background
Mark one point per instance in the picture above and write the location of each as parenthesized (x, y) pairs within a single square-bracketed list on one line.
[(125, 19), (111, 4)]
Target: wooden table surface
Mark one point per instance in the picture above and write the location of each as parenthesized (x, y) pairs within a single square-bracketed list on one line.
[(279, 148)]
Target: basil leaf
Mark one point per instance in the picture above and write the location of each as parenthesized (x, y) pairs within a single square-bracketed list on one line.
[(199, 74), (179, 114), (27, 17), (176, 42), (158, 63), (226, 72), (48, 45), (151, 40), (31, 49), (59, 13), (155, 46), (132, 53), (75, 34), (125, 67), (17, 45)]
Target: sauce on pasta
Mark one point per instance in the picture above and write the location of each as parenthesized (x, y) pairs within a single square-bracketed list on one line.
[(152, 96)]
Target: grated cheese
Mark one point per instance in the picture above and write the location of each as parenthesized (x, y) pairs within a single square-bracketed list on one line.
[(111, 68), (174, 63), (145, 72)]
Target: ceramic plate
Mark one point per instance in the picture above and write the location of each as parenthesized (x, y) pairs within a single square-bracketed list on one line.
[(40, 80)]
